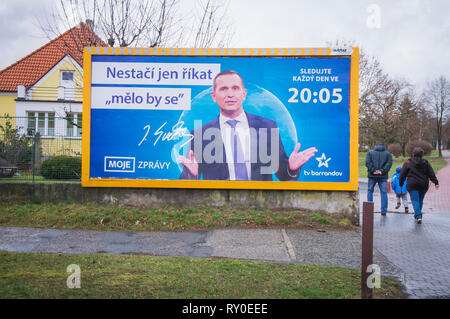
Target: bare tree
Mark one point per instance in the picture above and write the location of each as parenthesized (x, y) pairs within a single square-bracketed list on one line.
[(380, 98), (144, 23), (425, 125), (213, 26), (407, 121), (66, 15), (389, 112), (446, 134), (437, 98), (138, 23)]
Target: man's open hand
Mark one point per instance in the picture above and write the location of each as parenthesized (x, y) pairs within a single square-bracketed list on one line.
[(190, 163), (297, 159)]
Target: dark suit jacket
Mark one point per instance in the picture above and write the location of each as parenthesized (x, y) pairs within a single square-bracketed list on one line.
[(218, 170)]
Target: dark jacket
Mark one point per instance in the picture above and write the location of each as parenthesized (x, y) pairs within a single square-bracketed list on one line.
[(378, 159), (418, 171), (219, 170)]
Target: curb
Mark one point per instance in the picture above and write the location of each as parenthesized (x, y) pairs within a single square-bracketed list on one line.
[(363, 180)]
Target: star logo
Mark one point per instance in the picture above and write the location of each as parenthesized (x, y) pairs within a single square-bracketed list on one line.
[(323, 160)]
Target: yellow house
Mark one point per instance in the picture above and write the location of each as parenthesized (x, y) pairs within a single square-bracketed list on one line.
[(42, 92)]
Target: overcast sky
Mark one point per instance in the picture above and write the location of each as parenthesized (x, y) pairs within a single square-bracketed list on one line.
[(411, 38)]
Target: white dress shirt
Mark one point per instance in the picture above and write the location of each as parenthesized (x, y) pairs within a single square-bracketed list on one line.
[(243, 132)]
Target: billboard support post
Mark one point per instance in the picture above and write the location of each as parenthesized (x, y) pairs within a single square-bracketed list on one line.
[(367, 249)]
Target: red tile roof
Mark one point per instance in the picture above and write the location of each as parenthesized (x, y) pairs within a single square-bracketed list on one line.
[(30, 69)]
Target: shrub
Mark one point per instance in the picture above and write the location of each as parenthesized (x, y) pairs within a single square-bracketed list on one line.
[(427, 147), (16, 149), (395, 149), (61, 167)]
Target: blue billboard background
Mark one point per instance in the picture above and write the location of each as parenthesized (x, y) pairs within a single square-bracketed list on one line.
[(308, 108)]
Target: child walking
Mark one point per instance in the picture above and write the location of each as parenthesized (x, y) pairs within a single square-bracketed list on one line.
[(400, 192)]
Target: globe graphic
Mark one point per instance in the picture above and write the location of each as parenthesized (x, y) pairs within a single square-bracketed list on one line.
[(258, 101)]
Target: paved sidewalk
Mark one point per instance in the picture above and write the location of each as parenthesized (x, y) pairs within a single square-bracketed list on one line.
[(420, 251), (415, 254), (439, 200), (418, 255), (331, 248)]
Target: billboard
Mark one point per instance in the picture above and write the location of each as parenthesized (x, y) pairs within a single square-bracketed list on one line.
[(221, 118)]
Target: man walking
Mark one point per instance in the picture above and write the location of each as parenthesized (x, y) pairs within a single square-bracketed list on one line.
[(378, 163)]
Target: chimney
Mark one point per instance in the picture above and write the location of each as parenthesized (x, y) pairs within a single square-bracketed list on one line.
[(21, 92), (90, 23)]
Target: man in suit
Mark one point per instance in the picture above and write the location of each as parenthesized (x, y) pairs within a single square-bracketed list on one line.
[(238, 145)]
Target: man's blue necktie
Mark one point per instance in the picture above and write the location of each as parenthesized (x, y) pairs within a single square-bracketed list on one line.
[(240, 168)]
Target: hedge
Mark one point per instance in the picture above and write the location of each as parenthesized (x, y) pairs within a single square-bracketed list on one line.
[(62, 167)]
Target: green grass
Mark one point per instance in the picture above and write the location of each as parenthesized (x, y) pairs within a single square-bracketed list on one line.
[(27, 177), (32, 275), (91, 216), (436, 162)]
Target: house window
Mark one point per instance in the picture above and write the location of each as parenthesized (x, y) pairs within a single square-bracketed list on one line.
[(51, 124), (42, 122), (67, 76), (73, 125), (79, 122), (68, 82)]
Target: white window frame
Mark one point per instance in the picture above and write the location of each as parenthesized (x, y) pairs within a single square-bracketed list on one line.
[(67, 71), (76, 131), (35, 116)]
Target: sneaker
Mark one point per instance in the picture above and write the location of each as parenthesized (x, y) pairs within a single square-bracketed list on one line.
[(419, 220), (406, 210), (383, 213), (398, 206)]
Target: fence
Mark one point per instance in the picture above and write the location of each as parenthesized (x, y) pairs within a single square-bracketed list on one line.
[(40, 147)]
